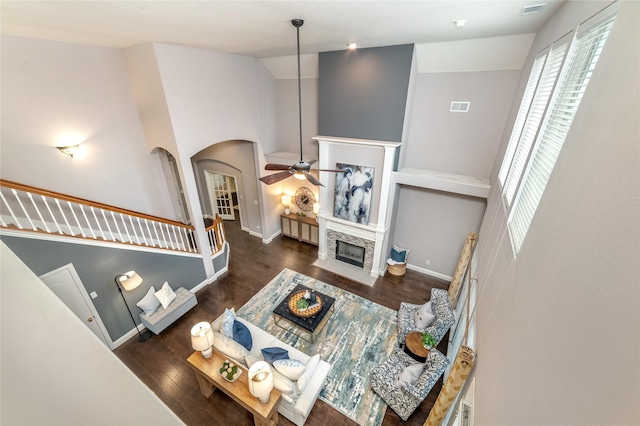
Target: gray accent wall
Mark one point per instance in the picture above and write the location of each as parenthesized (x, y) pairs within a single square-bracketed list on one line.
[(97, 267), (362, 93)]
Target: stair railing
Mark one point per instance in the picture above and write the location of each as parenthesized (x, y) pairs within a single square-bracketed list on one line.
[(215, 234), (32, 209)]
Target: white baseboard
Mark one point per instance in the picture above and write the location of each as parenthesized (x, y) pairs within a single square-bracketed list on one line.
[(271, 238), (429, 272)]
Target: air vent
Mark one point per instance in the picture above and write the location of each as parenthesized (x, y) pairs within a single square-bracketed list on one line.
[(457, 106), (530, 10)]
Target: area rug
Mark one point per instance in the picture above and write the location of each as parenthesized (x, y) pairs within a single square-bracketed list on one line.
[(357, 337)]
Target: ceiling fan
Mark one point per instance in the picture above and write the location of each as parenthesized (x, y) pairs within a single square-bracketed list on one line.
[(300, 169)]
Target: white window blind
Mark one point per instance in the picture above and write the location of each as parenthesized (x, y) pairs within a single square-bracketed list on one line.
[(527, 98), (535, 116), (580, 63)]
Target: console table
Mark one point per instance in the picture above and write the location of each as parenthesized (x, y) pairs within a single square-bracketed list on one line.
[(302, 228)]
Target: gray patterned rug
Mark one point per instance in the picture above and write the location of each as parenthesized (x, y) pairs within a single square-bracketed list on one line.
[(357, 337)]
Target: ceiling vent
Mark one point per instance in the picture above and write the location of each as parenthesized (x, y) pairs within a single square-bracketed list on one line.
[(530, 10)]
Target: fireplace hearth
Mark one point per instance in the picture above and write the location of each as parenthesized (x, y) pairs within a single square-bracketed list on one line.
[(350, 253)]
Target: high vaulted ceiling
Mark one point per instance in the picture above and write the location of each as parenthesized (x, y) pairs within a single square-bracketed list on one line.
[(263, 28)]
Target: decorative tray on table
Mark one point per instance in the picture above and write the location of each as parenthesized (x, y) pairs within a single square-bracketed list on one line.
[(229, 371), (294, 302)]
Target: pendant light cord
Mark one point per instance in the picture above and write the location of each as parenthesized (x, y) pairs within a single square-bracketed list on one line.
[(299, 93)]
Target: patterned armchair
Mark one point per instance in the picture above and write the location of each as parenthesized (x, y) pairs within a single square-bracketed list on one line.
[(404, 399), (438, 328)]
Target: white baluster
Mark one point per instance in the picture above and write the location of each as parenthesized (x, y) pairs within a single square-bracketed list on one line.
[(184, 246), (108, 227), (87, 220), (76, 218), (23, 209), (51, 214), (64, 216), (15, 219), (142, 232), (134, 230), (175, 237), (38, 211), (98, 223), (155, 230), (115, 222)]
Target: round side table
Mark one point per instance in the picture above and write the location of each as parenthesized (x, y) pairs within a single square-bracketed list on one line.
[(413, 347)]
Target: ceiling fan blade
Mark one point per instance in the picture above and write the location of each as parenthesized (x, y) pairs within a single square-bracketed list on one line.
[(328, 170), (312, 179), (312, 161), (276, 177), (276, 167)]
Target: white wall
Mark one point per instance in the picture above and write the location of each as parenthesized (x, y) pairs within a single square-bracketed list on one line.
[(288, 129), (558, 327), (52, 89), (55, 371)]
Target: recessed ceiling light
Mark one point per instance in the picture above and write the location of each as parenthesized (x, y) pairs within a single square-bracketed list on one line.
[(352, 46), (529, 10), (460, 22)]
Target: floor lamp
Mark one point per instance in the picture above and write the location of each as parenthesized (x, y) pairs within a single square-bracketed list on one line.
[(130, 280)]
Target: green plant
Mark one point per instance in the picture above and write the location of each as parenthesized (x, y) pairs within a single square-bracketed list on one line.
[(229, 371), (303, 304), (428, 340)]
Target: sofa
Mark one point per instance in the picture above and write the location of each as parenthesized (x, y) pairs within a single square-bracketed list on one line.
[(442, 310), (297, 400), (162, 317)]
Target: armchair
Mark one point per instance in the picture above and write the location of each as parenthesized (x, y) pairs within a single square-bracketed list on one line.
[(441, 309), (404, 399)]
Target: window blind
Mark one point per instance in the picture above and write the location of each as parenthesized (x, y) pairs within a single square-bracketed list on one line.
[(581, 61), (527, 98), (535, 116)]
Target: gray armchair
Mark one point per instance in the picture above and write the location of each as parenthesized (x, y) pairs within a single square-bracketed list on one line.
[(441, 309), (404, 399)]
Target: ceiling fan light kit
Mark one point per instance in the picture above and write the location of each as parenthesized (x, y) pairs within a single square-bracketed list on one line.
[(301, 169)]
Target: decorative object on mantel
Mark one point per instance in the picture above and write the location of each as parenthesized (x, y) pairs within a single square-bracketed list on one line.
[(299, 170), (353, 193), (286, 202), (305, 199)]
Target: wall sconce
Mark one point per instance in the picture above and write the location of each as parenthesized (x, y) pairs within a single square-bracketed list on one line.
[(130, 280), (202, 338), (260, 380), (69, 150), (286, 201)]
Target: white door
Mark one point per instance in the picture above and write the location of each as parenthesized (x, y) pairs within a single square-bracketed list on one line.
[(220, 194), (66, 284)]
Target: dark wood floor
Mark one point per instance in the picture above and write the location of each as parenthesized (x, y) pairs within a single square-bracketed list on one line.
[(161, 361)]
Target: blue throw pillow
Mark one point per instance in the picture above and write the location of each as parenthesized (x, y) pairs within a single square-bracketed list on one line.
[(242, 335), (272, 354), (398, 254)]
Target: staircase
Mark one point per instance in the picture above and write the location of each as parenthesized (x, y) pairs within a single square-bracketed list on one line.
[(28, 209)]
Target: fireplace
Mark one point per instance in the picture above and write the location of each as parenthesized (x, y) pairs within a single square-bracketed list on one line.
[(350, 253)]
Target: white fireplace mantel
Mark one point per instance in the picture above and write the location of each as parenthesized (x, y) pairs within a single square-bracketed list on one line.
[(385, 153)]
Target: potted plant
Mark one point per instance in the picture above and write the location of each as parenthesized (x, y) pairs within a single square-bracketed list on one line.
[(428, 341)]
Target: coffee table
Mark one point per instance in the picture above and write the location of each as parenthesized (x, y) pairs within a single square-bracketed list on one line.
[(209, 379), (303, 326), (413, 347)]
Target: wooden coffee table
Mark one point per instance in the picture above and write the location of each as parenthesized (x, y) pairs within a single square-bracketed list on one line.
[(413, 347), (209, 379)]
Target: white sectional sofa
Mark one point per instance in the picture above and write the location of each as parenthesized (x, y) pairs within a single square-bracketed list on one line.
[(295, 404)]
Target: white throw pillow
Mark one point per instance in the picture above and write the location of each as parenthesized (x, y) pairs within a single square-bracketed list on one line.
[(410, 374), (227, 322), (424, 316), (229, 347), (165, 295), (310, 368), (149, 302), (280, 382), (290, 368)]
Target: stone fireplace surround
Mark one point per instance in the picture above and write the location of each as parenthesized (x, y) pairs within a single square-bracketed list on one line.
[(372, 236), (369, 246)]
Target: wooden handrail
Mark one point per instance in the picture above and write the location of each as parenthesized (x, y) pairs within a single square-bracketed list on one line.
[(53, 194)]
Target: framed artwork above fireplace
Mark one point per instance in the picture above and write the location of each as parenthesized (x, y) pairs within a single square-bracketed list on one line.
[(353, 193)]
